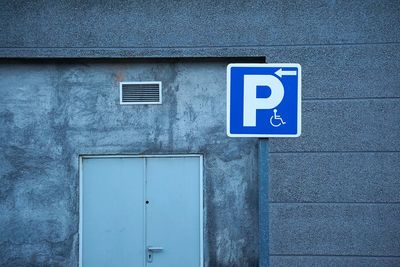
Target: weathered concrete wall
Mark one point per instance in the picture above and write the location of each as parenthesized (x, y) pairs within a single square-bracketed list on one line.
[(121, 28), (334, 192), (50, 113)]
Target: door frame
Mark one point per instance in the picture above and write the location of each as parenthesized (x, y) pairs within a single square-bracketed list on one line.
[(201, 184)]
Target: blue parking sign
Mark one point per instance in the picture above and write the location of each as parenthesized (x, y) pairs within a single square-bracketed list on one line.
[(264, 100)]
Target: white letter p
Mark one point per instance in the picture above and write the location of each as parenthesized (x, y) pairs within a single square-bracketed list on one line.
[(250, 101)]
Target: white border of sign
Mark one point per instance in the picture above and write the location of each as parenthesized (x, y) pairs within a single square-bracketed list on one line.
[(228, 97)]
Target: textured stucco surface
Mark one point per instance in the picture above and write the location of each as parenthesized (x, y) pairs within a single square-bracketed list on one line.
[(334, 192), (333, 261), (335, 229), (335, 177), (188, 28), (53, 112)]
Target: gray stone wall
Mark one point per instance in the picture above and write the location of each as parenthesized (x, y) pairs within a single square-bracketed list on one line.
[(334, 192), (121, 28)]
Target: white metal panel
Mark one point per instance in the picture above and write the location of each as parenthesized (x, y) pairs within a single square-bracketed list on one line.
[(189, 166), (112, 208), (173, 212)]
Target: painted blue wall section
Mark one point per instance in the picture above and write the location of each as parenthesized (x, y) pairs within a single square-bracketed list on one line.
[(334, 192)]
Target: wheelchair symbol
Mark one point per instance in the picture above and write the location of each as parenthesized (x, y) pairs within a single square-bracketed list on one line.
[(276, 120)]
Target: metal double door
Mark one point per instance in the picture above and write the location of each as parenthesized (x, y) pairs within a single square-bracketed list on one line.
[(141, 211)]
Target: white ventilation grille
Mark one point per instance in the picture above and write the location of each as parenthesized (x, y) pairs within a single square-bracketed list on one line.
[(132, 93)]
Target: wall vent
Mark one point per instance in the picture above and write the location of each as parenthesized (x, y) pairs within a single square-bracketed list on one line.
[(133, 93)]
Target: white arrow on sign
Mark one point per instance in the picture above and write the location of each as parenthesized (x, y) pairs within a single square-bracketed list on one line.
[(281, 72)]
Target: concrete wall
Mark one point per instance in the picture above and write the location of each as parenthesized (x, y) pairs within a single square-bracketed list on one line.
[(335, 191), (53, 112), (120, 28)]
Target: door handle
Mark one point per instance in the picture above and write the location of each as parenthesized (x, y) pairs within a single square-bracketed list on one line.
[(155, 249), (150, 250)]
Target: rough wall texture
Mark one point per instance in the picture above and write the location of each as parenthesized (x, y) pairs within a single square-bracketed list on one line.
[(52, 113), (334, 192), (159, 28)]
